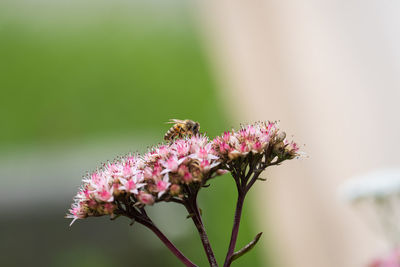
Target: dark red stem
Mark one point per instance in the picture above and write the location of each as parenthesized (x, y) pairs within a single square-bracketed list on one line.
[(192, 208), (166, 242), (235, 229)]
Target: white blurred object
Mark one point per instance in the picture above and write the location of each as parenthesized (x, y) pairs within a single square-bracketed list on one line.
[(375, 184), (377, 195)]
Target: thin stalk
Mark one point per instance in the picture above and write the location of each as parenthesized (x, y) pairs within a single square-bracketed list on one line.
[(192, 208), (166, 242), (235, 229)]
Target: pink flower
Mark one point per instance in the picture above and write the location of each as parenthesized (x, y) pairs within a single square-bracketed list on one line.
[(163, 151), (205, 165), (250, 130), (184, 161), (127, 171), (86, 193), (182, 170), (148, 173), (162, 185), (202, 153), (226, 137), (105, 195), (92, 204), (95, 178), (113, 170), (182, 148), (188, 177), (224, 147), (175, 189), (172, 164), (130, 185), (108, 208), (76, 212), (249, 139), (145, 198), (257, 147), (244, 148)]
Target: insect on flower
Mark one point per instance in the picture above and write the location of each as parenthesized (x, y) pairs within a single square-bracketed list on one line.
[(182, 128)]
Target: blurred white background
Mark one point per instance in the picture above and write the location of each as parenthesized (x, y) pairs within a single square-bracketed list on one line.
[(329, 71)]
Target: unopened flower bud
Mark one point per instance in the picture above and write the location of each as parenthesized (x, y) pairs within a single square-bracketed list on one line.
[(146, 198), (187, 177), (233, 154), (291, 150), (92, 204), (152, 188), (221, 171), (280, 137), (108, 208), (182, 170), (175, 189), (279, 148), (116, 191)]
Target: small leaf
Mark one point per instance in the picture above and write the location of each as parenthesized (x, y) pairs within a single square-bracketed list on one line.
[(262, 179), (190, 215), (132, 222), (245, 249), (115, 217)]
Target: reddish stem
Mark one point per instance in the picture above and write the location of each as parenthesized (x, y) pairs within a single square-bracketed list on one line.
[(193, 210), (167, 242), (235, 229)]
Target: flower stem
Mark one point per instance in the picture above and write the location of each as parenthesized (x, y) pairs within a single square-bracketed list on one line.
[(235, 229), (192, 208), (166, 241)]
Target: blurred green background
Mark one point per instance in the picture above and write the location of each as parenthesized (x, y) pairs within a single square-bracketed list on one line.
[(82, 82)]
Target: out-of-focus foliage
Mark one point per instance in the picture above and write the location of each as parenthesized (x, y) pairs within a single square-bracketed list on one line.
[(73, 71)]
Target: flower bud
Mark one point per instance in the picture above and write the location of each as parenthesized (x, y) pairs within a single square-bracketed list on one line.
[(108, 208), (175, 190), (234, 155), (280, 137), (279, 148), (146, 198), (221, 171)]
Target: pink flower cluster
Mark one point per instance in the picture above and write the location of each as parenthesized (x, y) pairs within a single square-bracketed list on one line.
[(185, 161), (156, 176), (256, 139), (100, 188), (172, 171)]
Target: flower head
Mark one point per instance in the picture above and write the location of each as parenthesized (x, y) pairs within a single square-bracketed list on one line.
[(185, 161), (101, 189), (176, 170), (143, 180), (258, 138)]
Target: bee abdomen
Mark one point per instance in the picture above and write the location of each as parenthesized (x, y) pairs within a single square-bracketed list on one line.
[(169, 135), (172, 132)]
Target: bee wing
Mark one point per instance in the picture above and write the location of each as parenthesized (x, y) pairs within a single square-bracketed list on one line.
[(175, 121)]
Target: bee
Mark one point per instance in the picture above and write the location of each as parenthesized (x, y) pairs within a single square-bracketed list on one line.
[(182, 128)]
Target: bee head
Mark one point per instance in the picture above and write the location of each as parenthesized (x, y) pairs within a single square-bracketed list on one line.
[(196, 127)]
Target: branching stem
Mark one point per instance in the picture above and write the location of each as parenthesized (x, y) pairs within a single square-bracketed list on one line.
[(140, 216), (235, 229), (193, 210)]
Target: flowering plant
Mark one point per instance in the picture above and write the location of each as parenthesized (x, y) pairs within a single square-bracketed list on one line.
[(176, 171)]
